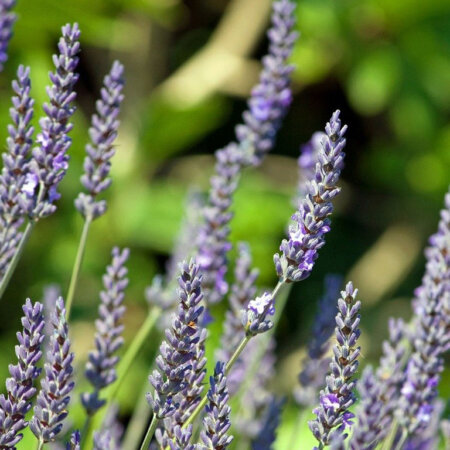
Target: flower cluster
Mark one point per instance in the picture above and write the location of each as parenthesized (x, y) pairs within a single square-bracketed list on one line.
[(100, 368), (311, 222), (14, 178), (103, 133), (271, 98), (17, 402), (50, 160), (176, 353), (54, 396), (333, 415), (267, 106), (217, 421)]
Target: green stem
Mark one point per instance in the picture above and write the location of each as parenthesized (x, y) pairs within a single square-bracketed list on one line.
[(302, 414), (77, 266), (40, 444), (388, 443), (402, 440), (86, 430), (150, 432), (13, 264)]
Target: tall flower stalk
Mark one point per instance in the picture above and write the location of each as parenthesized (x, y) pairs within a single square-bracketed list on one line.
[(49, 161), (431, 334), (100, 368), (97, 164), (19, 387), (54, 396), (333, 415), (178, 350), (267, 106), (14, 178)]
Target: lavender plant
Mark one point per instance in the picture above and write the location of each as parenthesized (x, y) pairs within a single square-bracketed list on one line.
[(19, 388), (402, 390), (100, 368), (332, 414), (267, 106), (54, 396)]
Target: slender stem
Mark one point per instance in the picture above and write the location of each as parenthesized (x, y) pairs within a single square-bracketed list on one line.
[(77, 266), (86, 430), (388, 443), (13, 264), (402, 440), (40, 444), (150, 432)]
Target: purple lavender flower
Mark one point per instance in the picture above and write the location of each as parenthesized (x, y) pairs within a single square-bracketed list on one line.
[(217, 420), (212, 240), (333, 415), (315, 365), (431, 338), (177, 352), (270, 99), (50, 159), (267, 435), (16, 184), (311, 222), (267, 106), (254, 318), (189, 398), (179, 440), (100, 368), (54, 396), (369, 412), (103, 133), (7, 19), (75, 441), (390, 375), (17, 402)]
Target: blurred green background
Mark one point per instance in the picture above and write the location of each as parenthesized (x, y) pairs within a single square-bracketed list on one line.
[(189, 67)]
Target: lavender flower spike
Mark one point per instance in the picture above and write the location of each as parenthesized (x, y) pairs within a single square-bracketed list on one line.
[(103, 132), (17, 402), (431, 338), (100, 368), (311, 222), (270, 99), (267, 106), (54, 396), (267, 434), (254, 318), (7, 19), (217, 422), (179, 348), (50, 159), (15, 187), (75, 441), (369, 412), (333, 415)]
